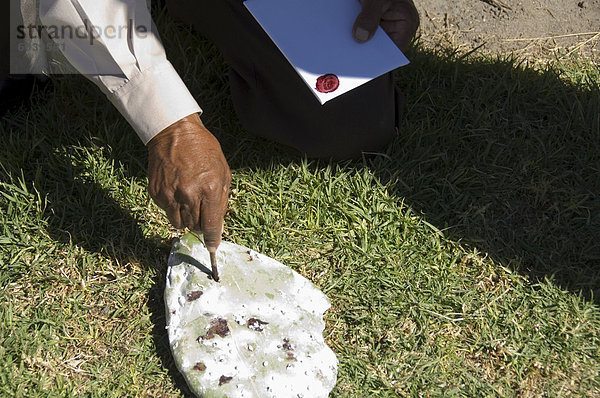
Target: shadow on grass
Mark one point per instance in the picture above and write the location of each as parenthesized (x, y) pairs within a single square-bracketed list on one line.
[(81, 209), (498, 156), (505, 159), (90, 217)]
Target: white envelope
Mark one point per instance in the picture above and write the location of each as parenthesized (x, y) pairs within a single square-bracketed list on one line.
[(316, 38)]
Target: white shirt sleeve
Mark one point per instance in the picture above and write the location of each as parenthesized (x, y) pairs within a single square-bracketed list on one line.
[(116, 45)]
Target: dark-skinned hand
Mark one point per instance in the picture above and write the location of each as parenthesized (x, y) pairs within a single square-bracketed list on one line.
[(398, 18), (189, 177)]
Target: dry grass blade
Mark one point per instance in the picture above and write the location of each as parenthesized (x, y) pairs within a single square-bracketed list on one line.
[(555, 36), (498, 4)]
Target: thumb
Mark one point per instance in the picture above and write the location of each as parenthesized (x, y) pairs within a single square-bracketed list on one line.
[(369, 18)]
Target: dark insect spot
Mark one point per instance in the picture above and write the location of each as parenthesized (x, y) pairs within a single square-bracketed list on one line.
[(217, 326), (256, 324), (286, 345), (224, 379), (195, 295), (290, 356), (200, 366)]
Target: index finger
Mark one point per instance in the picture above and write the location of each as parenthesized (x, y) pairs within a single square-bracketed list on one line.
[(212, 212)]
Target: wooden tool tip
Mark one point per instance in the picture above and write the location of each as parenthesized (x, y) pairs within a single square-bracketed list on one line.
[(213, 264)]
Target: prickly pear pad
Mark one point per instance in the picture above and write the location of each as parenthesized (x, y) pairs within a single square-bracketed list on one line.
[(256, 333)]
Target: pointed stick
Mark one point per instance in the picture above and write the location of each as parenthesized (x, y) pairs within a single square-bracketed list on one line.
[(213, 263)]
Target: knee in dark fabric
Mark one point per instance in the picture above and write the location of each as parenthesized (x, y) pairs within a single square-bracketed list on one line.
[(340, 139)]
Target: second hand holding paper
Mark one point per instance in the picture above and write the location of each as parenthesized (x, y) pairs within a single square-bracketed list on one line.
[(316, 38)]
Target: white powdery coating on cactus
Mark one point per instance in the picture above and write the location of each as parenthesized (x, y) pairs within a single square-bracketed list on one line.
[(272, 344)]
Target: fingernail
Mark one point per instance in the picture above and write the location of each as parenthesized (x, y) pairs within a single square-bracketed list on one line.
[(361, 34)]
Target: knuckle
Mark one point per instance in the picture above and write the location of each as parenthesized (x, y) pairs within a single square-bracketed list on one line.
[(212, 187), (187, 194)]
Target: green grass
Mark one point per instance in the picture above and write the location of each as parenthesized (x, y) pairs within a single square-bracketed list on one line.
[(462, 260)]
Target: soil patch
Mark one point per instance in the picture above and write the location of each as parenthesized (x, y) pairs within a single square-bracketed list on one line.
[(532, 29)]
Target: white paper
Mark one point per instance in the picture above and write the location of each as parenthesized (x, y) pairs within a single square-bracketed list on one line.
[(316, 38)]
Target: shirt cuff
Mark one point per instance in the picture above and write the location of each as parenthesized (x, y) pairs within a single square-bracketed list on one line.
[(153, 100)]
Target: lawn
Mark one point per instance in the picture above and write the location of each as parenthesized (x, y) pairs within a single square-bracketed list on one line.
[(462, 260)]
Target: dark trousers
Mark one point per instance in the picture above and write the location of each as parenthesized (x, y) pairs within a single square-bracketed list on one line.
[(272, 101)]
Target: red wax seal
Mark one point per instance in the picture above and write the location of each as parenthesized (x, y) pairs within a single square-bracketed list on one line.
[(327, 83)]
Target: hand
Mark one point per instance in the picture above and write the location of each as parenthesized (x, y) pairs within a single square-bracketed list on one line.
[(189, 177), (398, 18)]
